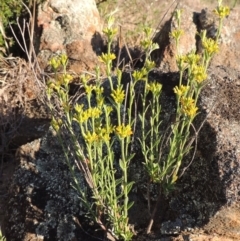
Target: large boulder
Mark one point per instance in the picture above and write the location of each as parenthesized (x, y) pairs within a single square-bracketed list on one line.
[(72, 27)]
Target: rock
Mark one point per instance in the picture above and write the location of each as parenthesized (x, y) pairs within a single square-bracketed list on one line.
[(194, 20), (229, 42), (82, 57), (38, 185), (165, 55), (68, 25)]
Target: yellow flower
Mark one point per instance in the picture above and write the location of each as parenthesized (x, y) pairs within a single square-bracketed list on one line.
[(64, 79), (91, 137), (100, 101), (181, 61), (192, 58), (181, 90), (99, 90), (210, 45), (56, 124), (155, 88), (188, 106), (123, 131), (104, 133), (109, 109), (149, 64), (55, 63), (176, 34), (222, 11), (199, 73), (63, 59), (78, 116), (93, 112), (146, 43), (118, 95), (84, 116), (140, 74), (85, 78), (105, 58), (89, 89), (78, 108), (110, 32)]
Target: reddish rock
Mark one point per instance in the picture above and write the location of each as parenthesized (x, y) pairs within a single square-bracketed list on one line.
[(194, 19), (82, 56), (229, 54), (70, 26), (166, 55)]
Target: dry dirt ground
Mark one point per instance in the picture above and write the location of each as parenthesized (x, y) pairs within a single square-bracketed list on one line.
[(224, 226)]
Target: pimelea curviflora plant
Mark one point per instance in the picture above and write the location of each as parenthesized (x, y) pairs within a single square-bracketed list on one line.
[(109, 203), (166, 172), (96, 126)]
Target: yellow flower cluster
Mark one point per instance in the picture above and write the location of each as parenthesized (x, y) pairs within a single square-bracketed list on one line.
[(100, 100), (109, 30), (155, 88), (56, 124), (63, 59), (149, 65), (55, 62), (102, 134), (118, 95), (82, 116), (222, 11), (146, 43), (181, 62), (105, 58), (64, 79), (176, 34), (89, 88), (91, 137), (140, 74), (188, 106), (190, 59), (199, 74), (60, 85), (181, 91), (123, 131), (210, 45)]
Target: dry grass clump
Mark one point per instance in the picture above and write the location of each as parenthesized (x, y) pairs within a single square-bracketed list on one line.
[(18, 86)]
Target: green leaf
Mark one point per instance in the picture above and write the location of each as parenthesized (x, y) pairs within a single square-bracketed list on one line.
[(118, 181), (129, 186), (130, 205), (130, 157), (122, 164)]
